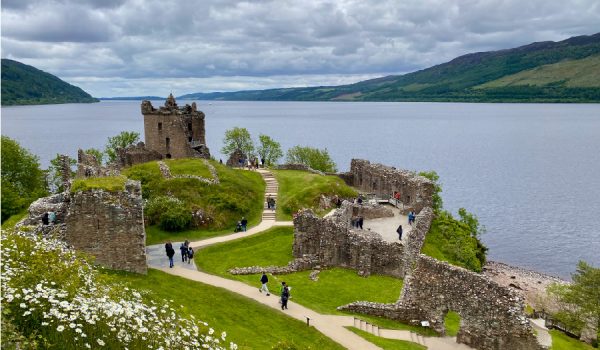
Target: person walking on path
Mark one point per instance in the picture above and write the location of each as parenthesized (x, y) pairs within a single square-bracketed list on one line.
[(285, 295), (359, 222), (269, 199), (244, 223), (184, 250), (264, 280), (190, 254), (399, 231), (170, 252), (411, 218)]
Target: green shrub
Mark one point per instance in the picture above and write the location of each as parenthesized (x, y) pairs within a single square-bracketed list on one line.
[(318, 159), (176, 218)]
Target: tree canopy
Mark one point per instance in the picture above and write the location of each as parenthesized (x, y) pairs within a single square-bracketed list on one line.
[(269, 149), (123, 140), (238, 139), (318, 159), (22, 179)]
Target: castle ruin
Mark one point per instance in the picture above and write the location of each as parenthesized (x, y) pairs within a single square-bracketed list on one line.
[(175, 132)]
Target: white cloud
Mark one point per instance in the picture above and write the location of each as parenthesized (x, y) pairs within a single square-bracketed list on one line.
[(230, 45)]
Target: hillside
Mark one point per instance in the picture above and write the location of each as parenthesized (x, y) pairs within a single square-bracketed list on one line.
[(27, 85), (464, 79)]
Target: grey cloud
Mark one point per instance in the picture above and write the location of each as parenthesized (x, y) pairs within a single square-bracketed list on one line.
[(173, 40)]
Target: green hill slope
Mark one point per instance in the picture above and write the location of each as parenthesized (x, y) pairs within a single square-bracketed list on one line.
[(583, 73), (27, 85), (461, 79)]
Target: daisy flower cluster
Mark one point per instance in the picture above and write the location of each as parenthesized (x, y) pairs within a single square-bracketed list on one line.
[(56, 293)]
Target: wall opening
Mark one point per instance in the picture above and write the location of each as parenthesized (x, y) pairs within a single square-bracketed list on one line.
[(168, 142), (159, 126), (168, 155), (190, 139), (190, 126), (452, 323)]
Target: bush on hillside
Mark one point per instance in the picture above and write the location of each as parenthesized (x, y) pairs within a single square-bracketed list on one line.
[(54, 297), (170, 213)]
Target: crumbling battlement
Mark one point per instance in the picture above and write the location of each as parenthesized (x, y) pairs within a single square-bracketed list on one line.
[(136, 154), (175, 132), (415, 191), (492, 316), (332, 241), (88, 166)]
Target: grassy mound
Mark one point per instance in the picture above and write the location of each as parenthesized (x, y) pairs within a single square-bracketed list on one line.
[(335, 287), (388, 344), (109, 183), (561, 341), (249, 324), (302, 189), (239, 193)]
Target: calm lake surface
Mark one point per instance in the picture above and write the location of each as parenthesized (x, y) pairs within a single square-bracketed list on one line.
[(530, 172)]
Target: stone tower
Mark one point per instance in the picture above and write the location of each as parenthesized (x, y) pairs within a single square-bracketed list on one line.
[(175, 132)]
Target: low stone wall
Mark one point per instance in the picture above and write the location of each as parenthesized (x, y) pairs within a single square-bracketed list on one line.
[(109, 226), (297, 166), (333, 242), (491, 315), (372, 211), (415, 191)]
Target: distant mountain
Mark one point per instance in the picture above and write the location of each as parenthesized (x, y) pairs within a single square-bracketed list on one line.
[(564, 71), (131, 98), (27, 85)]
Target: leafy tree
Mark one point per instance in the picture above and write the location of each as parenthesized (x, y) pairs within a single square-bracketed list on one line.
[(123, 140), (238, 139), (98, 154), (269, 149), (313, 157), (579, 302), (53, 174), (437, 189), (22, 179)]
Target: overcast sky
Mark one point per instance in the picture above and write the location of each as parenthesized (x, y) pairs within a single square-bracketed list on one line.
[(136, 47)]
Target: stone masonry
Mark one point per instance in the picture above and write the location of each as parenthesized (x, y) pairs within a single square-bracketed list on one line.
[(415, 191), (175, 132), (109, 226), (136, 154), (491, 316)]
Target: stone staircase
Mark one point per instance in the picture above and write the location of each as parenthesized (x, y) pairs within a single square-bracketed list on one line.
[(271, 190)]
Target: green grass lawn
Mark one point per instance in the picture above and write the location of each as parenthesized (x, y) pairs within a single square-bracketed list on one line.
[(302, 189), (191, 166), (452, 323), (388, 344), (239, 193), (108, 183), (561, 341), (334, 288), (247, 323)]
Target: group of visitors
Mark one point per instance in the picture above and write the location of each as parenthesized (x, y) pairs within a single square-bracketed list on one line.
[(49, 218), (270, 202), (187, 252), (357, 221), (242, 225), (250, 164), (284, 291)]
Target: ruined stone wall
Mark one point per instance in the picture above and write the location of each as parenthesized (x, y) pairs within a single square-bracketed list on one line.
[(333, 242), (109, 226), (491, 315), (175, 132), (297, 166), (136, 154), (88, 166), (415, 191)]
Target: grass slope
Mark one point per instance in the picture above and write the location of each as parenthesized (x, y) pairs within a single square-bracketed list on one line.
[(583, 73), (239, 193), (388, 344), (302, 189), (27, 85), (561, 341), (334, 288), (248, 323)]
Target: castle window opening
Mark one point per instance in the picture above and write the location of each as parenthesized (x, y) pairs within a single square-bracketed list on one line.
[(159, 126), (168, 155), (168, 142), (190, 139)]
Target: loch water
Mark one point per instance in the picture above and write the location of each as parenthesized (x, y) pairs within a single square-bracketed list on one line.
[(530, 172)]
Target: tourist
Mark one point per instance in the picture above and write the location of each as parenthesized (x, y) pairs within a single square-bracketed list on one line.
[(220, 161), (359, 200), (359, 222), (244, 223), (411, 218), (399, 231), (269, 202), (184, 249), (190, 254), (285, 295), (262, 162), (170, 252), (264, 280), (273, 203), (238, 227), (45, 219)]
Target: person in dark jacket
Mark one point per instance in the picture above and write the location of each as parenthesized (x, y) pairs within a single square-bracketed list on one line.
[(45, 219), (244, 223), (170, 252), (190, 254), (399, 231), (264, 280), (285, 295), (184, 252), (359, 222)]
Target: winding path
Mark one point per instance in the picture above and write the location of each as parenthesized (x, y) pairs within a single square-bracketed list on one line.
[(332, 326)]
